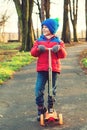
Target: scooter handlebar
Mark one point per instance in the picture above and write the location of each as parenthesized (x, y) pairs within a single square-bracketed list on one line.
[(48, 49)]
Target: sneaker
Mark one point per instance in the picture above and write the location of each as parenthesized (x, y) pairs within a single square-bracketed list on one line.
[(41, 111)]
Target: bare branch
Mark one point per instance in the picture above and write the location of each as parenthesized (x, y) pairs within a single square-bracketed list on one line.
[(4, 18)]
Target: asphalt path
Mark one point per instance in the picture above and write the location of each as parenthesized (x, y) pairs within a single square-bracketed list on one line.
[(17, 101)]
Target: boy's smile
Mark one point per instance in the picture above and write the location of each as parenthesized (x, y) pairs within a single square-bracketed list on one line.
[(46, 31)]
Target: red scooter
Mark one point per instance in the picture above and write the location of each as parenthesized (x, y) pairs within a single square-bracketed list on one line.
[(51, 115)]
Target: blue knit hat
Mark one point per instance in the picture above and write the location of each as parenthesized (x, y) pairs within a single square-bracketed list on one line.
[(52, 24)]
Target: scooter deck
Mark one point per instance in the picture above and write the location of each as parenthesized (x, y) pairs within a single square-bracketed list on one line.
[(51, 116)]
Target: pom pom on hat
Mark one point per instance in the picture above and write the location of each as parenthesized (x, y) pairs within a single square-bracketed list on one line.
[(52, 24)]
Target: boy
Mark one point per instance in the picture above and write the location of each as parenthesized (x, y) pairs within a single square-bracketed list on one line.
[(47, 40)]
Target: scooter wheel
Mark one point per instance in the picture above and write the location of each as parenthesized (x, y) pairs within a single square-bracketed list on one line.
[(42, 120), (60, 119)]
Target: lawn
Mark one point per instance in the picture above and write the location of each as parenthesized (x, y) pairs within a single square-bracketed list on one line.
[(12, 60)]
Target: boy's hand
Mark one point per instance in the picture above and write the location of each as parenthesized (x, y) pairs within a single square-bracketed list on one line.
[(41, 48), (55, 48)]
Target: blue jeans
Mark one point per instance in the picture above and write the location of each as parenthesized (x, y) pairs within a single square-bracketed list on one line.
[(42, 78)]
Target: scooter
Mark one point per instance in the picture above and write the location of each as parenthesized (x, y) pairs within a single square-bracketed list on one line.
[(51, 115)]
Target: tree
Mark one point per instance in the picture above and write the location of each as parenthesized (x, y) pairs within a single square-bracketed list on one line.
[(73, 16), (24, 10), (39, 8), (3, 20), (47, 8), (42, 11), (86, 17), (43, 8), (66, 28)]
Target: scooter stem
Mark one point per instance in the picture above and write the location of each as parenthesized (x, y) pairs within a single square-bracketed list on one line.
[(50, 73)]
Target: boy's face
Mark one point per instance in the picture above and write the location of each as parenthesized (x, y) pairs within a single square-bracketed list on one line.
[(46, 31)]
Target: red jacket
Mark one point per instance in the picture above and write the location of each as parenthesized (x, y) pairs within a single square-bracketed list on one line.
[(42, 61)]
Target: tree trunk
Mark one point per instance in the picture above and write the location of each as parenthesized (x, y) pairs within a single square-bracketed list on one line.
[(19, 12), (42, 10), (75, 32), (66, 29), (73, 16), (24, 11), (30, 34), (47, 8), (25, 24)]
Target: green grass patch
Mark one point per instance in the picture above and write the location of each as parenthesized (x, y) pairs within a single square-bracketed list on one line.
[(5, 73), (84, 62), (9, 46), (7, 68)]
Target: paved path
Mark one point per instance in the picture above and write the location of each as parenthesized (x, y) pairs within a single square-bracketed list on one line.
[(17, 105)]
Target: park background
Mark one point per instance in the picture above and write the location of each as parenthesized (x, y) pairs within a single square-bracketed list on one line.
[(10, 29)]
